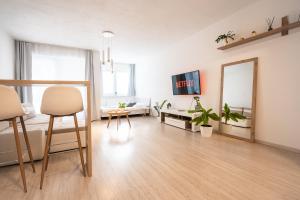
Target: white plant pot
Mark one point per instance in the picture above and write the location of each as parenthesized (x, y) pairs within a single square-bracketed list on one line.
[(226, 128), (206, 131)]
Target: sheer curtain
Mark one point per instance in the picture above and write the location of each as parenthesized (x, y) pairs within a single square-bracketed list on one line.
[(49, 62), (55, 63), (120, 82), (23, 68), (131, 85)]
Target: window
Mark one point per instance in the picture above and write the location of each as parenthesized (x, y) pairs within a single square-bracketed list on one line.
[(55, 67), (119, 82)]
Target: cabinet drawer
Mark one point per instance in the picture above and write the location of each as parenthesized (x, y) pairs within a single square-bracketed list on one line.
[(175, 122)]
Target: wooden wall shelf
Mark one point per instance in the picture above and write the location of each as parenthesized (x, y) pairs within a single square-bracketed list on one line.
[(281, 29)]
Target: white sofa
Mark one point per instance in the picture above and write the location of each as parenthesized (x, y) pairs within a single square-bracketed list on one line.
[(142, 105), (64, 138)]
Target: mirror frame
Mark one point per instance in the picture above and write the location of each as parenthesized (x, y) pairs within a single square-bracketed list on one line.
[(254, 89)]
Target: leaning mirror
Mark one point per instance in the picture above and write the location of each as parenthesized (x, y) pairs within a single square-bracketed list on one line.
[(237, 99)]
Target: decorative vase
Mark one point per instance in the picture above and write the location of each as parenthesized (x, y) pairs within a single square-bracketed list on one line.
[(206, 131)]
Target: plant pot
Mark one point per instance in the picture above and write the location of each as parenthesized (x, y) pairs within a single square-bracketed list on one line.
[(206, 130), (226, 128)]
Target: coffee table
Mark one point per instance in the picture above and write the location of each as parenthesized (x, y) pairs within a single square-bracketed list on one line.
[(118, 114)]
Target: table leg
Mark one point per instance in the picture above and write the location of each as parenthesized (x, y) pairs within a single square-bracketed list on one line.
[(128, 120), (109, 119), (118, 122)]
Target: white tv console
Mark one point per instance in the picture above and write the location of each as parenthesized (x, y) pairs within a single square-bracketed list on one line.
[(179, 118)]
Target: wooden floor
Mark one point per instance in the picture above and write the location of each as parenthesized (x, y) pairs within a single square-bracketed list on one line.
[(154, 161)]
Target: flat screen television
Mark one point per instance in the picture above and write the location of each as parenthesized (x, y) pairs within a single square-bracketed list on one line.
[(187, 83)]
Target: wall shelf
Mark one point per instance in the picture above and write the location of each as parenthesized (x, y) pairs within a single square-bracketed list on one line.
[(281, 29)]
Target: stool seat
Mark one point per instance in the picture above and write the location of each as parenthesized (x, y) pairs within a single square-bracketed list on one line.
[(10, 105), (61, 101)]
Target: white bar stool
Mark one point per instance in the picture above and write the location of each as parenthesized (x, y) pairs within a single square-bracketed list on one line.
[(10, 109), (60, 101)]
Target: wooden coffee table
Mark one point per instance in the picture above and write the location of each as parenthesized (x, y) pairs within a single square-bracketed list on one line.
[(118, 114)]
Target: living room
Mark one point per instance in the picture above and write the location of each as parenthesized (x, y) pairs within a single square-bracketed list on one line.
[(178, 100)]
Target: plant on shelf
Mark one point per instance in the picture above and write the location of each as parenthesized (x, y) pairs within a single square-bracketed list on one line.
[(204, 116), (169, 105), (228, 115), (270, 23), (197, 100), (122, 105), (225, 37), (158, 107)]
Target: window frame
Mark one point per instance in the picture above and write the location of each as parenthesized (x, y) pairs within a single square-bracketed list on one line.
[(115, 82)]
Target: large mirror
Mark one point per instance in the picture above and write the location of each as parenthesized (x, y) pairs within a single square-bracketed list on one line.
[(237, 99)]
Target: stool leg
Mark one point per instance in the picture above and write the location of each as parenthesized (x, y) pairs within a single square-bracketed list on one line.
[(79, 143), (19, 151), (27, 143), (45, 159), (46, 168)]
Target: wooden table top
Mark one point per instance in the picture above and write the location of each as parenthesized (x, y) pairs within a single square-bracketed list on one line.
[(118, 112)]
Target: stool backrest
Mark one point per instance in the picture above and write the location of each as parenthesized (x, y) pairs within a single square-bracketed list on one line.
[(10, 104), (61, 101)]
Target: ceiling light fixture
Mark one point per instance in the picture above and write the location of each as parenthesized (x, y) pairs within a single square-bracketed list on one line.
[(106, 50)]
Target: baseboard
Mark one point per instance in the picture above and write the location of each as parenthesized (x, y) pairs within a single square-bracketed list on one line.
[(278, 146)]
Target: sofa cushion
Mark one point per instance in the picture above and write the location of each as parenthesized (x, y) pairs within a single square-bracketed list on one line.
[(131, 104), (4, 125)]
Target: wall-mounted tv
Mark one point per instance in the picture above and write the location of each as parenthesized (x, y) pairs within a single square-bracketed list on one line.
[(187, 83)]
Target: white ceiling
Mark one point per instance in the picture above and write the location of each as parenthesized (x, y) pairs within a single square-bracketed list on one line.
[(142, 27)]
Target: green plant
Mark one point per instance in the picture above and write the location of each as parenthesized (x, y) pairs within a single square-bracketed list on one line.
[(204, 117), (122, 105), (158, 107), (228, 115), (162, 104), (169, 105), (225, 37)]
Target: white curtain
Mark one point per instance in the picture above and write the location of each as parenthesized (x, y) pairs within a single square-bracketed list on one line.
[(23, 68), (131, 85), (50, 62)]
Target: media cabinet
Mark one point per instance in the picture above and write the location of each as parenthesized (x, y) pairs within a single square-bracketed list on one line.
[(179, 118)]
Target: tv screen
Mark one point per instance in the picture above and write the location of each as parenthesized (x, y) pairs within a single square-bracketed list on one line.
[(187, 83)]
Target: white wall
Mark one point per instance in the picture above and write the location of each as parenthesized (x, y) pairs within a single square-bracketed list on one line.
[(278, 97), (6, 56)]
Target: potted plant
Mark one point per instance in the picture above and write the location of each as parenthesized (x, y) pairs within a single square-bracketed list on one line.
[(158, 107), (122, 105), (225, 37), (228, 115), (203, 119)]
